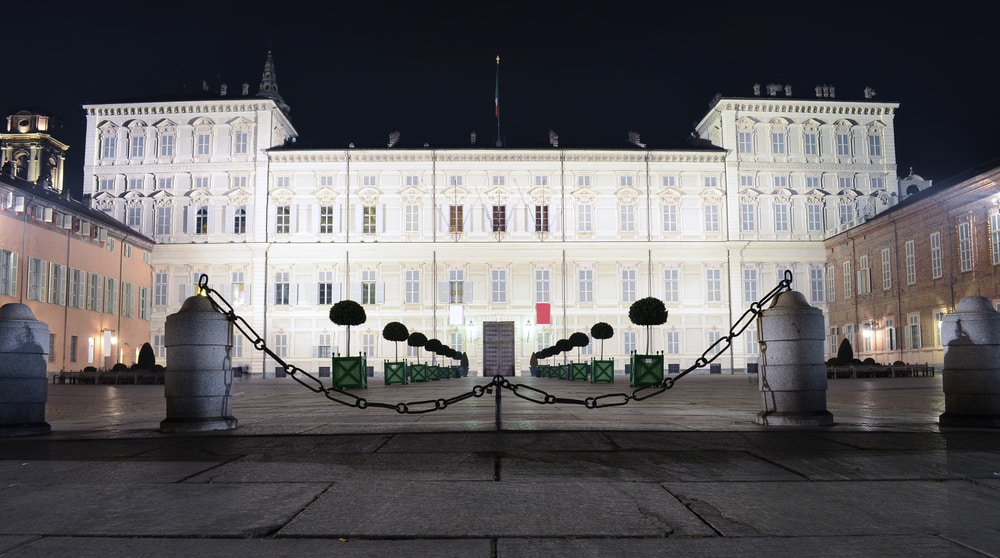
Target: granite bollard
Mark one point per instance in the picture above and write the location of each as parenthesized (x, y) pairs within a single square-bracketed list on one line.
[(792, 378), (24, 385), (198, 381), (971, 375)]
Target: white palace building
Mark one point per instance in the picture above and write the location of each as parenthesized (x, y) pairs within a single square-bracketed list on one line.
[(444, 240)]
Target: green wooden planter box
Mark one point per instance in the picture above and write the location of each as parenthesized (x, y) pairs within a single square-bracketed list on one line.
[(349, 372), (603, 371), (433, 372), (579, 371), (419, 373), (646, 370), (395, 372)]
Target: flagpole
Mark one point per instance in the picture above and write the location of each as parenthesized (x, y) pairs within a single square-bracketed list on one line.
[(496, 99)]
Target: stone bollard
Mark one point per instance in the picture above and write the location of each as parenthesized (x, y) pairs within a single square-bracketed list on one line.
[(971, 376), (792, 377), (198, 380), (24, 386)]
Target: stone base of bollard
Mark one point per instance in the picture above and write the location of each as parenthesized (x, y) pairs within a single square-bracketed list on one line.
[(175, 426), (817, 418), (11, 430), (956, 420)]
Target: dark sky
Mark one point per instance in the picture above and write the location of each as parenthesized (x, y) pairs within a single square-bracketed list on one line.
[(354, 72)]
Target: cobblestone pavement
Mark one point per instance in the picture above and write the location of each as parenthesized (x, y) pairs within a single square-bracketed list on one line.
[(687, 471)]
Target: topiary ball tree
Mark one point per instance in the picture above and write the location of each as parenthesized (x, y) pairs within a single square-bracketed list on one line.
[(602, 331), (434, 346), (579, 340), (147, 358), (348, 313), (418, 340), (395, 332), (648, 312)]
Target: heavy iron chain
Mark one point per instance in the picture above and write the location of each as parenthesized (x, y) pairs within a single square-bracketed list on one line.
[(523, 391)]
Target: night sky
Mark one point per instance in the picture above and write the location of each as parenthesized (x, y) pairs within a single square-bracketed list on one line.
[(354, 72)]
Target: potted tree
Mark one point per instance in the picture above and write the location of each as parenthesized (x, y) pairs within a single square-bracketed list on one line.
[(434, 370), (349, 371), (579, 370), (564, 346), (647, 369), (602, 370), (418, 371), (395, 371)]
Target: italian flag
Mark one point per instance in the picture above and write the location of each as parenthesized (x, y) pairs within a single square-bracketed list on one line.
[(496, 98)]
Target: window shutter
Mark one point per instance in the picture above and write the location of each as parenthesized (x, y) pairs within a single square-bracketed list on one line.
[(467, 292), (187, 214), (444, 290), (293, 294), (230, 214), (359, 218), (293, 218), (356, 292), (272, 218), (314, 219), (509, 217), (337, 209), (466, 218), (380, 217), (445, 224), (337, 292), (312, 294), (380, 293)]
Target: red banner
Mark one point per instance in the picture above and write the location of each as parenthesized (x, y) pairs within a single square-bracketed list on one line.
[(543, 313)]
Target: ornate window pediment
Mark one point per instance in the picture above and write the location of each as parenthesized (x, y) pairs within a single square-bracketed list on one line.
[(812, 125), (844, 124), (584, 195), (670, 195), (162, 198), (540, 196), (783, 194), (104, 197), (369, 196), (199, 197), (202, 123), (325, 196), (497, 196), (780, 124), (132, 196), (627, 195), (749, 195), (238, 196), (875, 127), (746, 124), (712, 195), (281, 196), (412, 195), (108, 129), (241, 123)]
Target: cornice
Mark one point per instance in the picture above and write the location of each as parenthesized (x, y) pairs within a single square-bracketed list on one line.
[(180, 107), (807, 107), (473, 156)]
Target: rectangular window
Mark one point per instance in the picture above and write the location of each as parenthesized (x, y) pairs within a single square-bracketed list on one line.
[(133, 217), (77, 288), (137, 147), (37, 272), (452, 180), (498, 180), (846, 214), (669, 181), (143, 303), (412, 286), (109, 147), (625, 181), (167, 145), (629, 342), (886, 270), (713, 285), (831, 284), (671, 285), (938, 318), (165, 183), (160, 287), (936, 268), (110, 295), (368, 219), (164, 215), (778, 143), (499, 220), (456, 286), (585, 289), (583, 181), (201, 221), (995, 237), (782, 223), (541, 217), (57, 284), (323, 345), (627, 216), (813, 182), (874, 145), (673, 343), (744, 142), (711, 217), (324, 288), (74, 343), (241, 142), (877, 183), (752, 346), (106, 185), (750, 285), (8, 273), (282, 288), (810, 143), (412, 180), (965, 246), (843, 144), (669, 217), (368, 287), (780, 181), (913, 331), (628, 285), (94, 284), (411, 218), (911, 262), (585, 218), (456, 221), (710, 181), (203, 144), (498, 286), (748, 221), (747, 181), (238, 289), (814, 217), (281, 345), (864, 276), (134, 184), (713, 341), (817, 284), (456, 340), (848, 274), (240, 220), (326, 219), (541, 285), (283, 219), (541, 181)]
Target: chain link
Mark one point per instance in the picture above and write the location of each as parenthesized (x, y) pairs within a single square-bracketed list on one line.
[(524, 391)]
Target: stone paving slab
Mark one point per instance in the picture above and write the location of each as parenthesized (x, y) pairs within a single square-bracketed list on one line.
[(714, 547), (15, 473), (360, 508), (178, 510), (98, 547), (957, 510)]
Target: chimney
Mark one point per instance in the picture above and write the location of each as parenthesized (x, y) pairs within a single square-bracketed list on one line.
[(223, 89)]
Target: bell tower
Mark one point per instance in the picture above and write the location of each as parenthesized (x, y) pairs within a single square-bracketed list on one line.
[(29, 152)]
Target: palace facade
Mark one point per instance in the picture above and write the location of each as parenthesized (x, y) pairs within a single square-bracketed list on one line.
[(445, 239)]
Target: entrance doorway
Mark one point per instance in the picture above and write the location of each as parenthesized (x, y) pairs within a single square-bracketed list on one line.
[(498, 349)]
